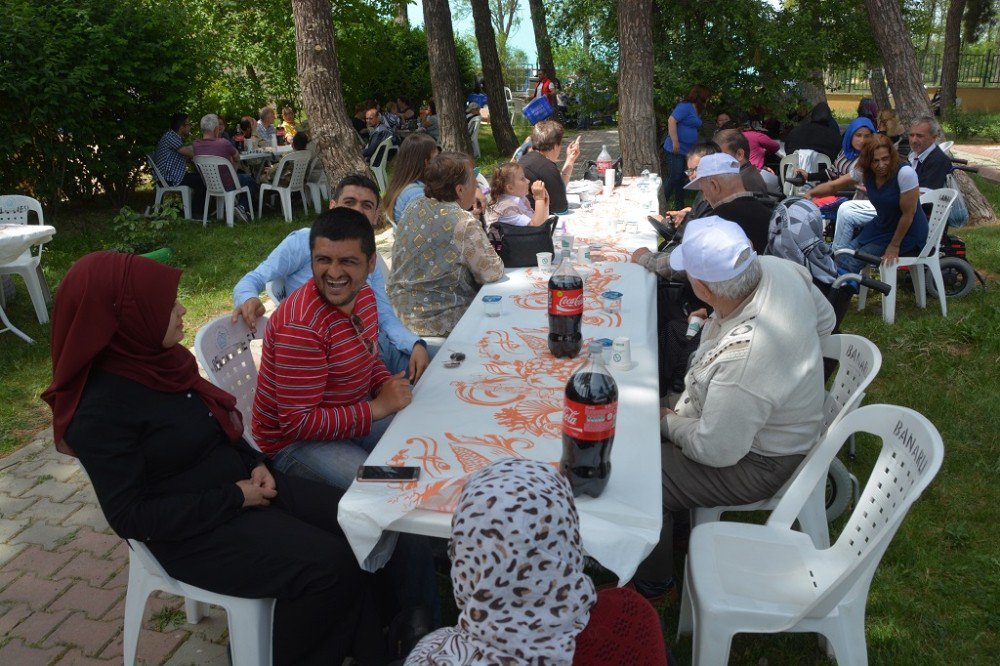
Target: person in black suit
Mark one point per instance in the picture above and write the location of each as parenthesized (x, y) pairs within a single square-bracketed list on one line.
[(817, 133), (927, 159)]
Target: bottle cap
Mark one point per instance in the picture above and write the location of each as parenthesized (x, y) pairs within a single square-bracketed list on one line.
[(594, 347)]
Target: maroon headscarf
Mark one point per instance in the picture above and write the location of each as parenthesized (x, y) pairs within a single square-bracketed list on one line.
[(112, 310)]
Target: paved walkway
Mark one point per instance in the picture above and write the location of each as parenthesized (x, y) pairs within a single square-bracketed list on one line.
[(984, 156), (63, 575)]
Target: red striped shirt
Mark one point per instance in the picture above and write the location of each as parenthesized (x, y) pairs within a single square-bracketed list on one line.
[(316, 376)]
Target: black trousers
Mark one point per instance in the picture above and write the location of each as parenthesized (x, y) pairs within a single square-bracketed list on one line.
[(295, 551)]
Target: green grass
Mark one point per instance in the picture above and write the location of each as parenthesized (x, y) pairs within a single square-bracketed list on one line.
[(934, 597)]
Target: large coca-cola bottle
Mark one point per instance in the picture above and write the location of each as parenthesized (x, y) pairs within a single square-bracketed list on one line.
[(565, 310), (589, 413)]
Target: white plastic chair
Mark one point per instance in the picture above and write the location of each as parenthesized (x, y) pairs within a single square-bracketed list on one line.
[(473, 128), (210, 167), (941, 201), (509, 98), (14, 209), (276, 290), (787, 167), (223, 351), (299, 160), (162, 187), (769, 578), (378, 161), (250, 620), (859, 362), (317, 183)]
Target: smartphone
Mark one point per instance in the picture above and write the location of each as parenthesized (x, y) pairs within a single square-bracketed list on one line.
[(387, 473)]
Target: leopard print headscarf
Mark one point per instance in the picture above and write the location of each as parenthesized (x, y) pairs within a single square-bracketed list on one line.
[(517, 572)]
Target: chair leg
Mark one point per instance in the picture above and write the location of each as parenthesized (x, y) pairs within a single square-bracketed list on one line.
[(31, 280), (711, 643), (157, 200), (250, 632), (862, 297), (194, 610), (46, 292), (685, 623), (845, 634), (812, 517), (314, 193), (186, 202), (204, 215), (889, 301), (286, 204), (919, 285), (938, 278), (305, 203), (140, 586), (260, 203), (230, 204)]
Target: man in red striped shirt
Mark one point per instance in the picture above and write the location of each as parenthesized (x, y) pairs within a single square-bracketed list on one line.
[(324, 397)]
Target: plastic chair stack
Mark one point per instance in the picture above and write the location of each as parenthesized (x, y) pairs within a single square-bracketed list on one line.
[(941, 202), (743, 578)]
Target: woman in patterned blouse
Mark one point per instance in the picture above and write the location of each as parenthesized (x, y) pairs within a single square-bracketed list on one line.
[(441, 254)]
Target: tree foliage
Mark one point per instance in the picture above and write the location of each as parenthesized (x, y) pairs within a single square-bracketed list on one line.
[(85, 86)]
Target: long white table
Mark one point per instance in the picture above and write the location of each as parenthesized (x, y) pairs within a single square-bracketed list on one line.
[(15, 239), (506, 400)]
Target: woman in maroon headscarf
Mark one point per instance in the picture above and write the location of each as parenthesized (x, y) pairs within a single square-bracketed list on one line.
[(164, 450)]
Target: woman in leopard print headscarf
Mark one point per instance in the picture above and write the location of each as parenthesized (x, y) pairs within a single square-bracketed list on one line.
[(517, 572)]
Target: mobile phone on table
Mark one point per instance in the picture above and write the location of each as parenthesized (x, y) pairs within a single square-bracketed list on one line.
[(387, 473)]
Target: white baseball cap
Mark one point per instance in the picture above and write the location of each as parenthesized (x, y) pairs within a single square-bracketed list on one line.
[(713, 165), (710, 250)]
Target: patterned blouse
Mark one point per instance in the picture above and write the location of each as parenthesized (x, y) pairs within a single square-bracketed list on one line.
[(439, 258)]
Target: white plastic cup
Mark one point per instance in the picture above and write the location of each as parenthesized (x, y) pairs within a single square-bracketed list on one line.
[(609, 182), (583, 254), (492, 305), (544, 260), (612, 301), (694, 325), (621, 353)]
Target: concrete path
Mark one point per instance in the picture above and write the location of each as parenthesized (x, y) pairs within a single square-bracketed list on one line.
[(984, 156), (63, 575)]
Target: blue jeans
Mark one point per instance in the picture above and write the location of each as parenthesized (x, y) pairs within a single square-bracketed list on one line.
[(248, 181), (851, 217), (335, 462), (852, 265), (395, 360), (676, 179)]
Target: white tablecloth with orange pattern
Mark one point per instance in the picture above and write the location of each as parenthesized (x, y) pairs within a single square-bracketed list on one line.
[(506, 400)]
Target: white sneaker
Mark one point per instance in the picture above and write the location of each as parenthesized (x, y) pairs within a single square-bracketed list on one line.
[(242, 212)]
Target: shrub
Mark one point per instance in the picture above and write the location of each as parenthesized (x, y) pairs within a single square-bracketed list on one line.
[(87, 87), (136, 234)]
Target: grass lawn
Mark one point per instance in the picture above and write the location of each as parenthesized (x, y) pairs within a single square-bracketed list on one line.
[(934, 597)]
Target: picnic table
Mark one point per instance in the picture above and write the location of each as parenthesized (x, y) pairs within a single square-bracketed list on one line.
[(506, 399), (255, 160)]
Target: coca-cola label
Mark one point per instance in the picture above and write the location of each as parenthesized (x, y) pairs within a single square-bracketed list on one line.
[(565, 301), (589, 422), (603, 165)]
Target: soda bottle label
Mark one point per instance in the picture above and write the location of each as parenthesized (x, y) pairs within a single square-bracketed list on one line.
[(565, 301), (589, 422)]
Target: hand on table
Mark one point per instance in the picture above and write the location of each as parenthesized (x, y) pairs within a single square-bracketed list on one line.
[(251, 310), (394, 395), (641, 252), (419, 360)]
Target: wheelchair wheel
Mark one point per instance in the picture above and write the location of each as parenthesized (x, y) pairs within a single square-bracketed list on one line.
[(839, 490), (959, 278)]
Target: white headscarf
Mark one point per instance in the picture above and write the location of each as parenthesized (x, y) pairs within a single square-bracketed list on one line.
[(517, 572)]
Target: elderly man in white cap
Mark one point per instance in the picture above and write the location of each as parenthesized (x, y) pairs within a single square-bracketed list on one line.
[(752, 407)]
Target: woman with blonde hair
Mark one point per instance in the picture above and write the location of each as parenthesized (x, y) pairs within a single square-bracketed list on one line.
[(509, 198), (406, 185)]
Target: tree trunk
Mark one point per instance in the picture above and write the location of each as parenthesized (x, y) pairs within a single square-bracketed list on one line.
[(930, 30), (401, 18), (949, 62), (899, 59), (319, 79), (876, 81), (980, 211), (586, 37), (637, 122), (813, 88), (500, 125), (443, 63), (542, 43)]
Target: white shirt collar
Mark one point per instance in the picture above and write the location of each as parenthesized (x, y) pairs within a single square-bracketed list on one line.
[(914, 158)]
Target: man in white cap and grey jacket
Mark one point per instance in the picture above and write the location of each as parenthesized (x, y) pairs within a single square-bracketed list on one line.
[(752, 407)]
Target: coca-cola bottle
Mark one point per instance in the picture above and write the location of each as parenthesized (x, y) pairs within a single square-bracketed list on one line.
[(589, 413), (280, 133), (565, 310), (603, 161), (239, 139)]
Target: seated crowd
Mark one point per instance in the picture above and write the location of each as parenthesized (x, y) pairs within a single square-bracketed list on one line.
[(165, 448)]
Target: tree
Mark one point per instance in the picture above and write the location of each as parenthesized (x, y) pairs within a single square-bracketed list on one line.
[(493, 78), (319, 78), (637, 123), (443, 63), (402, 18), (949, 63), (876, 81), (542, 42)]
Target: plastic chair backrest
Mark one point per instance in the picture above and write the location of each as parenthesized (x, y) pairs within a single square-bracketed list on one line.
[(859, 361), (911, 455), (160, 180), (381, 154), (789, 163), (300, 160), (14, 209), (210, 167), (223, 350), (941, 201)]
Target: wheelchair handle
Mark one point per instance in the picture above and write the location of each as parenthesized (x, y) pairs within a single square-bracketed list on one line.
[(863, 256), (870, 283)]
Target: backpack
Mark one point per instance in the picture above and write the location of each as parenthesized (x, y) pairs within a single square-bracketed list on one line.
[(795, 232)]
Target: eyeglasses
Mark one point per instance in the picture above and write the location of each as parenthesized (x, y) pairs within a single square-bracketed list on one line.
[(455, 360), (359, 328), (690, 172)]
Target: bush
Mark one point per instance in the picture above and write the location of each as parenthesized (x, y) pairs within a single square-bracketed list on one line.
[(137, 234), (87, 87)]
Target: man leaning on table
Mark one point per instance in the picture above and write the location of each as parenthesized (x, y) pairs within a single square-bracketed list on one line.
[(752, 407), (290, 263), (324, 397)]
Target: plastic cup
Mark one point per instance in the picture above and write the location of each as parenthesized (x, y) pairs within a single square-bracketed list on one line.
[(621, 353), (612, 301), (544, 260), (583, 254), (492, 305)]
